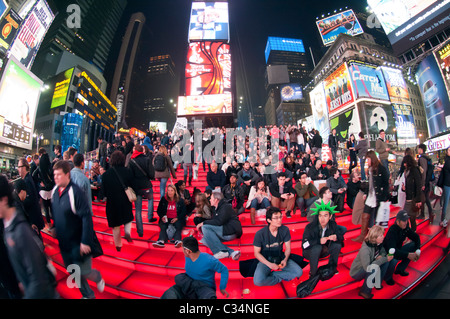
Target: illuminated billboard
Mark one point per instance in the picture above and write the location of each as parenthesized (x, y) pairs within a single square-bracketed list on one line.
[(19, 96), (291, 92), (396, 85), (404, 123), (368, 82), (209, 21), (61, 88), (9, 25), (283, 44), (346, 123), (31, 33), (443, 58), (71, 131), (344, 22), (208, 68), (408, 23), (204, 104), (338, 90), (320, 110)]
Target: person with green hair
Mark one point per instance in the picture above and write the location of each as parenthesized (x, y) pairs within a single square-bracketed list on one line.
[(322, 237)]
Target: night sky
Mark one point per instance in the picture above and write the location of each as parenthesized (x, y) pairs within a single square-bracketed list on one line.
[(251, 22)]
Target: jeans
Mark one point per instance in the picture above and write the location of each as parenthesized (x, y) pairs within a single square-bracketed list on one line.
[(446, 199), (264, 276), (363, 274), (179, 224), (410, 247), (265, 203), (362, 163), (213, 237), (334, 156), (162, 186), (303, 204), (385, 163), (138, 213), (187, 167)]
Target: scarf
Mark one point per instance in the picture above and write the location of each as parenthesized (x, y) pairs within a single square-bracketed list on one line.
[(136, 154)]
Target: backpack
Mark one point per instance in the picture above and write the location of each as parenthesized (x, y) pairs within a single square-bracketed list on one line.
[(160, 163), (430, 171)]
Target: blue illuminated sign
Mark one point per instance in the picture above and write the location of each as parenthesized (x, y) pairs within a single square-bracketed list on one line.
[(283, 44)]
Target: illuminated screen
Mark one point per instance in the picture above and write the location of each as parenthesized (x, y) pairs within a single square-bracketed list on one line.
[(19, 96), (338, 90), (9, 25), (209, 21), (404, 123), (443, 58), (31, 33), (71, 131), (368, 82), (320, 110), (283, 44), (208, 68), (291, 92), (61, 88), (205, 104), (344, 22)]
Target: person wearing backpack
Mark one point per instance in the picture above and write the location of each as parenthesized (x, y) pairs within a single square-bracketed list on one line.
[(427, 177), (163, 168)]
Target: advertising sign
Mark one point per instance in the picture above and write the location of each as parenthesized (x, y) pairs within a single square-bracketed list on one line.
[(31, 33), (320, 110), (209, 21), (208, 68), (434, 95), (291, 92), (9, 25), (204, 104), (338, 90), (438, 143), (375, 117), (346, 124), (404, 123), (344, 22), (71, 131), (283, 44), (396, 85), (61, 88), (368, 82), (19, 96), (443, 58)]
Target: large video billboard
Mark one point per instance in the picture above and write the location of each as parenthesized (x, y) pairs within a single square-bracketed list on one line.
[(209, 21), (374, 117), (434, 95), (344, 22), (208, 68), (19, 96), (407, 23), (443, 58), (396, 85), (291, 92), (31, 33), (320, 110), (204, 104), (338, 90), (283, 44), (62, 85), (404, 123), (71, 131), (368, 82)]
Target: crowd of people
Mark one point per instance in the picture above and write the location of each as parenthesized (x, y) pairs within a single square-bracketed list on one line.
[(58, 194)]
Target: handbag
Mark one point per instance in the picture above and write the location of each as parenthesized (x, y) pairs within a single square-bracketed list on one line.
[(383, 214), (440, 181), (128, 190)]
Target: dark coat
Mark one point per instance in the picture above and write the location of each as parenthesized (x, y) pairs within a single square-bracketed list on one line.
[(446, 171), (119, 210), (238, 193), (413, 184), (181, 209), (216, 179), (225, 216), (395, 237), (32, 203), (381, 184), (313, 232), (274, 189), (141, 180)]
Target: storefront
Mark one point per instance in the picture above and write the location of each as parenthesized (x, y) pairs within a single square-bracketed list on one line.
[(436, 147)]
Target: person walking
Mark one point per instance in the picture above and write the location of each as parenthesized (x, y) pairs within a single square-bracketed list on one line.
[(351, 146), (413, 189), (382, 148), (163, 168), (361, 150), (333, 144)]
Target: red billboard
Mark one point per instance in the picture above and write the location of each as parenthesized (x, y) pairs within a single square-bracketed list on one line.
[(338, 90)]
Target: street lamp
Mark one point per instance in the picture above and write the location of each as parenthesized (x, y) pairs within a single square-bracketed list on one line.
[(38, 137)]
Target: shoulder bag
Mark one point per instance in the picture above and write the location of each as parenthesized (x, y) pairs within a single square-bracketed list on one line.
[(128, 190)]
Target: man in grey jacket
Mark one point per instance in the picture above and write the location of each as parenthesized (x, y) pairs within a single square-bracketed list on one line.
[(382, 148), (361, 148)]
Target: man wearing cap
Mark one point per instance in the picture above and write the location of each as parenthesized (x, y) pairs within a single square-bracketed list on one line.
[(395, 237)]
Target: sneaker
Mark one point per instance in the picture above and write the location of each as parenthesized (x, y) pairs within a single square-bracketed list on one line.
[(288, 214), (221, 254), (159, 244), (444, 223), (101, 286), (178, 244), (235, 255)]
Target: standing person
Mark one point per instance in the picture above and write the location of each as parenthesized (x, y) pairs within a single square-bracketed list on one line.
[(426, 180), (187, 166), (171, 210), (58, 155), (413, 189), (317, 143), (361, 149), (446, 187), (77, 177), (119, 210), (46, 184), (102, 151), (25, 250), (142, 173), (351, 146), (74, 229), (163, 168), (224, 225), (378, 192), (274, 264), (307, 193), (198, 282), (333, 143), (382, 148)]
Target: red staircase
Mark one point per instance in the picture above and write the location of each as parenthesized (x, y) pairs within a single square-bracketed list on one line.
[(141, 271)]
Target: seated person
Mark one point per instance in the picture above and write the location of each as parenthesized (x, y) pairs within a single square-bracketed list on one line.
[(234, 194), (292, 167), (337, 186), (215, 178), (326, 170), (202, 209), (246, 177), (325, 196), (259, 198), (283, 195), (186, 196), (272, 178), (171, 210), (198, 282), (274, 264), (395, 237), (353, 187), (322, 237), (316, 172), (224, 225), (233, 168), (307, 193)]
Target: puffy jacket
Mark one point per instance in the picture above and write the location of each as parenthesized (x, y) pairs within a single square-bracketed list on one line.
[(225, 216)]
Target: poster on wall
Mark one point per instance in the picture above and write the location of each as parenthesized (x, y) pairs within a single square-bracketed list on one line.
[(368, 82), (434, 95), (320, 110), (346, 123), (404, 123), (344, 22), (396, 85), (443, 58), (375, 117), (9, 25), (338, 90)]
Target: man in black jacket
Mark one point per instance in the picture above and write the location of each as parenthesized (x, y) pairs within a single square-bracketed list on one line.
[(224, 225), (333, 144), (395, 238), (283, 195)]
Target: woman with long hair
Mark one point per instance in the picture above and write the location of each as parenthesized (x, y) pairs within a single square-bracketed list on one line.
[(171, 210), (163, 168), (412, 188), (351, 144), (259, 198), (378, 192), (202, 209)]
